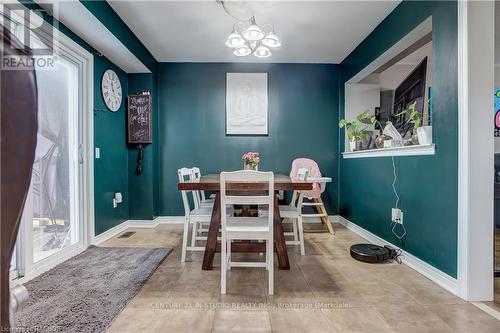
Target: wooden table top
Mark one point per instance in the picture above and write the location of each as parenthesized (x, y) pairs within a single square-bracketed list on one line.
[(211, 183)]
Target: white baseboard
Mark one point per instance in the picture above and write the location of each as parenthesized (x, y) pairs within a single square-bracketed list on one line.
[(170, 219), (146, 224), (489, 310), (96, 240), (442, 279)]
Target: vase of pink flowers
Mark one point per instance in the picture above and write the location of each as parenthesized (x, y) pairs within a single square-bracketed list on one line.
[(251, 161)]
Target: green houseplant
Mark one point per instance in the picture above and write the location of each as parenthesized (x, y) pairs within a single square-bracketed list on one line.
[(356, 130), (422, 134)]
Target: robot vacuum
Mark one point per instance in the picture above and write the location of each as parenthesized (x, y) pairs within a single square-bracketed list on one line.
[(373, 253)]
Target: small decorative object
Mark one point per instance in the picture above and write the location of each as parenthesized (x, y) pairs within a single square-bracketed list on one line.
[(424, 134), (356, 131), (251, 161), (111, 90), (140, 158), (139, 119), (421, 134), (246, 104), (391, 131), (380, 140)]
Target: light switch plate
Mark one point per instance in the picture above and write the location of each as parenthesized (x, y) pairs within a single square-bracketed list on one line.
[(97, 152)]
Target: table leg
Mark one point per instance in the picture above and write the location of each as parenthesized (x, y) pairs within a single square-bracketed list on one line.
[(213, 232), (279, 238)]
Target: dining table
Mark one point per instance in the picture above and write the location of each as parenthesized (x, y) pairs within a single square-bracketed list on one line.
[(211, 183)]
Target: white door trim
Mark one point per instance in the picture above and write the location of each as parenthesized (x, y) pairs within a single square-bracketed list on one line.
[(85, 61), (475, 150), (463, 152)]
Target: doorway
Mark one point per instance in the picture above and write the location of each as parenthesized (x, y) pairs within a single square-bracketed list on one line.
[(57, 219)]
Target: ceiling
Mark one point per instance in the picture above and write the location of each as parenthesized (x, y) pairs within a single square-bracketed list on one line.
[(195, 31), (78, 19), (416, 57)]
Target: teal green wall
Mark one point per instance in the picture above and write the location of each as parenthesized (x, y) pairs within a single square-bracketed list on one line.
[(427, 184), (303, 115), (144, 188), (111, 171)]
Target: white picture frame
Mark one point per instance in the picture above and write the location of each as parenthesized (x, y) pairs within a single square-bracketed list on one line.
[(247, 104)]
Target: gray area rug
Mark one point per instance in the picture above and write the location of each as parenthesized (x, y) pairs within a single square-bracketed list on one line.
[(86, 292)]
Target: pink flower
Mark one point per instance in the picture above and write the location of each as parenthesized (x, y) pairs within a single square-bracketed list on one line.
[(251, 157)]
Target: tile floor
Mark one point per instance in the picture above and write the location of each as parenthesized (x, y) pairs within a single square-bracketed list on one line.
[(324, 291)]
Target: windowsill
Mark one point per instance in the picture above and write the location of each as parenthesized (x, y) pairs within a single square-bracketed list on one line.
[(396, 151)]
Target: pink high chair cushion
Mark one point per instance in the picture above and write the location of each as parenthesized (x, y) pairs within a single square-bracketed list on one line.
[(314, 171)]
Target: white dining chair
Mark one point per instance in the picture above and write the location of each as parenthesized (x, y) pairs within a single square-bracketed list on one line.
[(247, 228), (202, 200), (293, 212), (193, 217)]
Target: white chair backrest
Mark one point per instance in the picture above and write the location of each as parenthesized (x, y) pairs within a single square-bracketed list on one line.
[(265, 197), (196, 173), (197, 176), (186, 174)]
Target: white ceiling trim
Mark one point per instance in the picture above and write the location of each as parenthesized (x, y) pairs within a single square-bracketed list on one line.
[(74, 15)]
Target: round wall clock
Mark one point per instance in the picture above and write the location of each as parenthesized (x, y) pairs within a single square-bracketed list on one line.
[(111, 89)]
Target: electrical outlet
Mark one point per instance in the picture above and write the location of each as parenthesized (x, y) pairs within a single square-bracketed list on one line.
[(397, 215)]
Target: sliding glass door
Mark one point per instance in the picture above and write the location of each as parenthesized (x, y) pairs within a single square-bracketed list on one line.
[(52, 225), (51, 218)]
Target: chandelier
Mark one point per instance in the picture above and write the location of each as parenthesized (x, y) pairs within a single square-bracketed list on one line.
[(248, 38)]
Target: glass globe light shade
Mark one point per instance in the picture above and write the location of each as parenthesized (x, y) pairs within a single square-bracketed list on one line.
[(262, 52), (235, 40), (242, 51), (253, 33), (271, 40)]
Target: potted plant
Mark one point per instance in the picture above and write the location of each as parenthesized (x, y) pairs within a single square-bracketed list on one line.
[(356, 131), (251, 161), (423, 133)]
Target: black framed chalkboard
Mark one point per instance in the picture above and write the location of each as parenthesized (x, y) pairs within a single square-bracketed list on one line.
[(139, 119)]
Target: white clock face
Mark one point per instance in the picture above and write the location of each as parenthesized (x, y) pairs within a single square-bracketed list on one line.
[(111, 90)]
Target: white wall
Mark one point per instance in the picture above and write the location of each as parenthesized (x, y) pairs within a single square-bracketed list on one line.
[(392, 77), (359, 98)]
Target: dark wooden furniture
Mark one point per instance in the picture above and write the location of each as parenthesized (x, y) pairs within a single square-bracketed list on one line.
[(410, 90), (211, 183)]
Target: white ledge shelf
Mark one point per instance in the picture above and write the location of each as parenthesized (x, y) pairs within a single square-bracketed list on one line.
[(396, 151)]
